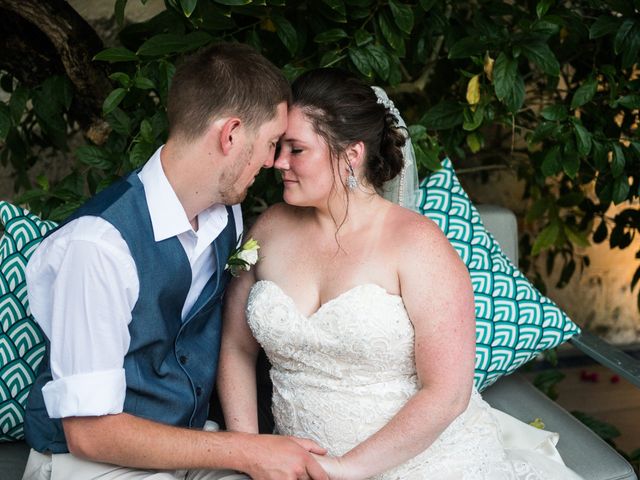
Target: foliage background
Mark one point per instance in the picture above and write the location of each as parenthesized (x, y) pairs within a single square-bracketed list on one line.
[(548, 89)]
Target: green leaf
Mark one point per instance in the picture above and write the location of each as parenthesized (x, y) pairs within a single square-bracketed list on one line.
[(554, 112), (427, 4), (620, 189), (426, 158), (583, 139), (475, 141), (600, 156), (116, 54), (629, 101), (570, 164), (360, 59), (390, 34), (18, 102), (543, 131), (61, 212), (195, 40), (546, 382), (5, 121), (402, 15), (467, 47), (93, 156), (631, 46), (551, 162), (604, 430), (170, 43), (336, 5), (286, 33), (546, 238), (143, 83), (233, 3), (120, 122), (473, 120), (188, 6), (379, 60), (544, 29), (584, 93), (146, 131), (538, 208), (508, 84), (329, 36), (166, 70), (362, 37), (446, 114), (543, 57), (140, 153), (417, 132), (113, 100), (331, 57), (122, 78), (618, 161), (543, 6), (604, 25), (119, 11), (620, 39)]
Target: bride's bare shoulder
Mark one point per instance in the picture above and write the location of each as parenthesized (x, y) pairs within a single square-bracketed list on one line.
[(275, 219), (412, 228)]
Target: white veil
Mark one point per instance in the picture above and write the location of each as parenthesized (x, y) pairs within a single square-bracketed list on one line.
[(402, 189)]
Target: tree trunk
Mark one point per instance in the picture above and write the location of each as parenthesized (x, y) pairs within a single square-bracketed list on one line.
[(40, 38)]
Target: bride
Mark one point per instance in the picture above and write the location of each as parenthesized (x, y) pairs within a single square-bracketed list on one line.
[(364, 309)]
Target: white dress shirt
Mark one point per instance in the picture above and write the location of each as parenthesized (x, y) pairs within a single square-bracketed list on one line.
[(82, 285)]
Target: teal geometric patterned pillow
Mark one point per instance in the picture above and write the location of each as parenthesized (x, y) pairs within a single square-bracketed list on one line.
[(21, 341), (514, 321)]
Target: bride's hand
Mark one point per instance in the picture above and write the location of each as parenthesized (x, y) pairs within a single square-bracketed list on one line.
[(333, 466), (309, 445)]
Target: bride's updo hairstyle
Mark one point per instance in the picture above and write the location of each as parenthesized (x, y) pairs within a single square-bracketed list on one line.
[(343, 110)]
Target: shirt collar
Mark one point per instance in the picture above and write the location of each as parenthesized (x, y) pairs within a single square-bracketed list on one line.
[(168, 217)]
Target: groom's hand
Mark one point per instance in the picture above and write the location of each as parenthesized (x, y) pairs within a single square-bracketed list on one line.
[(309, 445), (272, 457)]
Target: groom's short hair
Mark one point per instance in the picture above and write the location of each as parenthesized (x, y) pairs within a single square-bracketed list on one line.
[(224, 79)]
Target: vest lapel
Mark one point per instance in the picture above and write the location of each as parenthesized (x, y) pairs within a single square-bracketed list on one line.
[(222, 246)]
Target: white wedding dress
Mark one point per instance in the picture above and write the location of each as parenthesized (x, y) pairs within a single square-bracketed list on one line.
[(342, 373)]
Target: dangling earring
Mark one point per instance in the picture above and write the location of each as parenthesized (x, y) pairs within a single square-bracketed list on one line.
[(352, 181)]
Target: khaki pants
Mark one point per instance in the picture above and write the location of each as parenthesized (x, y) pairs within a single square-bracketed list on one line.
[(64, 466)]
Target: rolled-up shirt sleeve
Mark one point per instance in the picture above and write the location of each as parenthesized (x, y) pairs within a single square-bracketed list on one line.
[(83, 285)]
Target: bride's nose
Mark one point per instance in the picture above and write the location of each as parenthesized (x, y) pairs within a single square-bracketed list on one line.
[(282, 159)]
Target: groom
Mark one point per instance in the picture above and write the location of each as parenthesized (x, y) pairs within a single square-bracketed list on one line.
[(128, 292)]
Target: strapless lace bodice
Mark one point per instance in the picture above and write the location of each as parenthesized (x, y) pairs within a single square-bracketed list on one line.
[(340, 374)]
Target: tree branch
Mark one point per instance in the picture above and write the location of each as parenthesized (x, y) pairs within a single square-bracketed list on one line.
[(47, 37)]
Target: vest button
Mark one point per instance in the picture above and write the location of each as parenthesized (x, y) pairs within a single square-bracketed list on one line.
[(183, 359), (198, 391)]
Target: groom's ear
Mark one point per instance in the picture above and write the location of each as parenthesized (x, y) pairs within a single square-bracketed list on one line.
[(355, 154), (229, 132)]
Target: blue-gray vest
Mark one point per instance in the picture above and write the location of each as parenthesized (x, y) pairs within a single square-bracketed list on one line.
[(171, 364)]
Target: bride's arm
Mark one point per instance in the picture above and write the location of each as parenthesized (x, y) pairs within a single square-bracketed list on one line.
[(436, 290), (236, 380)]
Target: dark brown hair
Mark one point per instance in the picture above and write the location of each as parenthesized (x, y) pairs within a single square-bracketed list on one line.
[(224, 79), (344, 110)]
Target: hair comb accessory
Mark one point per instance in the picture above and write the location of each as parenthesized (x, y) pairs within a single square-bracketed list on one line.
[(403, 188)]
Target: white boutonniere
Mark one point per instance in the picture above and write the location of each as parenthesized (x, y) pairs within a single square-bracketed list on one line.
[(243, 257)]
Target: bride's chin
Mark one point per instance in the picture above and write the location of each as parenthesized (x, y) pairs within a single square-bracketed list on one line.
[(295, 200)]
